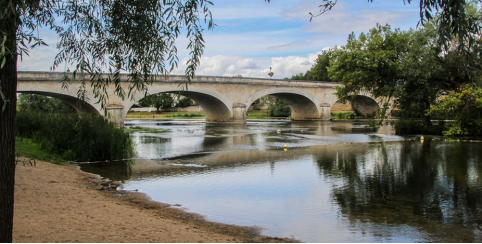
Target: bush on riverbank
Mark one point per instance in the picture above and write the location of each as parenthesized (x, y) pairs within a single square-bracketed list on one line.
[(464, 106), (411, 127), (75, 137), (280, 108), (346, 115)]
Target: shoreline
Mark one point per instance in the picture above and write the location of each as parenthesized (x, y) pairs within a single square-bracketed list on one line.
[(56, 203)]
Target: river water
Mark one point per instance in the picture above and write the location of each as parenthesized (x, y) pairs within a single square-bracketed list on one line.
[(335, 181)]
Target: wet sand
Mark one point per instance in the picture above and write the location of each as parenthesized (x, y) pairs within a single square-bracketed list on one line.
[(62, 204)]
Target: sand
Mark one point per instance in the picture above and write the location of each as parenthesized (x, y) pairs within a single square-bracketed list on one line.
[(62, 204)]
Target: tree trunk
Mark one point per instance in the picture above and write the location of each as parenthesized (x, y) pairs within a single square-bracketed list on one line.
[(8, 84), (426, 120)]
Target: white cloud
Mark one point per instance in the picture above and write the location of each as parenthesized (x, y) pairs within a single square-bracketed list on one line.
[(249, 67), (223, 66), (291, 65)]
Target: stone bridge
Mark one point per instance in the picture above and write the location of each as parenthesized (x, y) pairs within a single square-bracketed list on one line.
[(223, 99)]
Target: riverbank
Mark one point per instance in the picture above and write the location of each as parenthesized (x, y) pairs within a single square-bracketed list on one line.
[(62, 204)]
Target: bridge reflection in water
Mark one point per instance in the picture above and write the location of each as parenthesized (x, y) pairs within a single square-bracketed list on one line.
[(336, 183)]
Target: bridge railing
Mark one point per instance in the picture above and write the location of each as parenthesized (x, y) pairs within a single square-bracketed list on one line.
[(39, 76)]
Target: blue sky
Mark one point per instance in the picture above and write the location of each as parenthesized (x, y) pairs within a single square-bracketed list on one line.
[(251, 35)]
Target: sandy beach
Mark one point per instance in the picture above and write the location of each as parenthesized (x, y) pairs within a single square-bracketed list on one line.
[(62, 204)]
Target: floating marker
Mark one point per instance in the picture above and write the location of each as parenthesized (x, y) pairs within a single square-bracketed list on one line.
[(422, 138), (285, 146), (279, 131)]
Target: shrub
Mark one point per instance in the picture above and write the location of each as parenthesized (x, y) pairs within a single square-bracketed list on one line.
[(74, 137), (464, 106), (184, 102), (410, 127), (279, 109), (347, 115)]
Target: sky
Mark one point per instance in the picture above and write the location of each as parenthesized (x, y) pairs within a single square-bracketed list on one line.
[(251, 36)]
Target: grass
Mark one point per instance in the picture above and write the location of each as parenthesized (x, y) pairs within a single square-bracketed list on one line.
[(252, 114), (343, 115), (155, 115), (143, 129), (185, 114), (261, 114), (28, 148)]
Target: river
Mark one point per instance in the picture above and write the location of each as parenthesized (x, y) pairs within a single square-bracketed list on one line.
[(313, 181)]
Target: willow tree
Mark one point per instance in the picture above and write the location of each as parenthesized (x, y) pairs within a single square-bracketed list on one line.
[(94, 37)]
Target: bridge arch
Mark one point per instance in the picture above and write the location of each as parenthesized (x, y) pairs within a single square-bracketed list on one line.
[(81, 106), (301, 102), (362, 104), (217, 107)]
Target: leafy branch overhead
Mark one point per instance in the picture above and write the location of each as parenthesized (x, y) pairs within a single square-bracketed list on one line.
[(113, 36)]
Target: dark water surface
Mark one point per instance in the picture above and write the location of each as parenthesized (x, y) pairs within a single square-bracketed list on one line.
[(336, 182)]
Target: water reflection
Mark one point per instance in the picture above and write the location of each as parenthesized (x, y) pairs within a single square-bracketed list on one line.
[(194, 137), (434, 187), (118, 170), (338, 182)]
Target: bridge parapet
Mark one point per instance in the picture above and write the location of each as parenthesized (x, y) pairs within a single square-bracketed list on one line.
[(178, 79)]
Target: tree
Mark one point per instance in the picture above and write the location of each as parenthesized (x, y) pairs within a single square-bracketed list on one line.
[(319, 70), (406, 65), (370, 62), (184, 102), (422, 74), (279, 108), (44, 104), (95, 36), (299, 76), (464, 105), (160, 100), (453, 16)]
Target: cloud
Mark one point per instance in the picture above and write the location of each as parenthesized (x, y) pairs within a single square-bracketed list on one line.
[(283, 67), (291, 65), (223, 66), (345, 18), (289, 46)]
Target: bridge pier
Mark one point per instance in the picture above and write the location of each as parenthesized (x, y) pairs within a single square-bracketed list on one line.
[(239, 112), (325, 111), (115, 114)]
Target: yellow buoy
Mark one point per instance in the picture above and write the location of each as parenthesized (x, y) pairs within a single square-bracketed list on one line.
[(285, 146), (422, 138), (279, 131)]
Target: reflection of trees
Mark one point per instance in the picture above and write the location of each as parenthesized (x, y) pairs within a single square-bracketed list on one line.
[(119, 170), (434, 186)]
